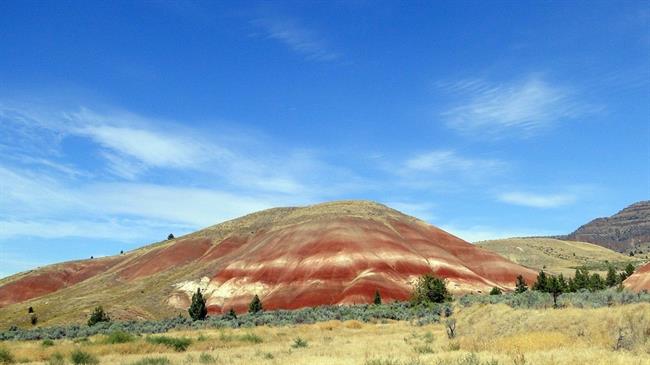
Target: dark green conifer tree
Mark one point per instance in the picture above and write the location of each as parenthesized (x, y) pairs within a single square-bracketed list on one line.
[(198, 311), (377, 299), (520, 285), (542, 282), (612, 279), (97, 316), (256, 305)]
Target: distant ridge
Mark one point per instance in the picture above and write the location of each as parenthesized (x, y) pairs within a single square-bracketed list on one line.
[(626, 231)]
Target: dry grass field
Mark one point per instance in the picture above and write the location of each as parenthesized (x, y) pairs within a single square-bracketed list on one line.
[(486, 334), (558, 256)]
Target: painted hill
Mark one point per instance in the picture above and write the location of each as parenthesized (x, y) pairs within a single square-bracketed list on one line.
[(625, 231), (640, 280), (557, 256), (332, 253)]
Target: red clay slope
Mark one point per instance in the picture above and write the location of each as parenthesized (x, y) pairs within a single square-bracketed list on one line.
[(307, 259), (51, 279), (332, 253), (640, 280)]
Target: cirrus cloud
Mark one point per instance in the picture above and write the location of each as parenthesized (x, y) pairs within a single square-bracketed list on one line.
[(521, 107)]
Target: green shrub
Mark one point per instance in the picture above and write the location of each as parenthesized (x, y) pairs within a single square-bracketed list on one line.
[(47, 343), (79, 357), (56, 359), (6, 357), (152, 361), (119, 337), (430, 289), (496, 291), (179, 344), (98, 316), (251, 337), (299, 343), (206, 358)]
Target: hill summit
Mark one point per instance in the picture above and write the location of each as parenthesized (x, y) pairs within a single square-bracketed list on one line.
[(331, 253)]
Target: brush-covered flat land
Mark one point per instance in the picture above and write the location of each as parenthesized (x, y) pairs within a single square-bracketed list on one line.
[(484, 334)]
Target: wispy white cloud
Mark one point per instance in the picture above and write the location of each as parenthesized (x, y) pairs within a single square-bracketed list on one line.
[(129, 136), (132, 145), (537, 200), (521, 107), (37, 205), (119, 230), (444, 161), (297, 37)]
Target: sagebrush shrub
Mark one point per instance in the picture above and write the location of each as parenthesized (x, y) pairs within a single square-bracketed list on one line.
[(56, 359), (119, 337), (79, 357), (179, 344), (206, 358), (299, 343), (251, 337)]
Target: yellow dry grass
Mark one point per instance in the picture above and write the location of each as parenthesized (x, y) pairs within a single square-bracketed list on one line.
[(491, 332)]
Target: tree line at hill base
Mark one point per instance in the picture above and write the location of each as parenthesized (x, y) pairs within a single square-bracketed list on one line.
[(429, 301)]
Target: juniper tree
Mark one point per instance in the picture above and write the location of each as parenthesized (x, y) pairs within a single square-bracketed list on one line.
[(430, 289), (596, 282), (581, 279), (495, 291), (562, 283), (198, 311), (520, 285), (611, 279), (377, 299), (542, 282), (97, 316), (629, 269), (231, 315), (555, 288), (255, 305)]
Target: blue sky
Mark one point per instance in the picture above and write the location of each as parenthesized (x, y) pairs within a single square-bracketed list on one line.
[(123, 121)]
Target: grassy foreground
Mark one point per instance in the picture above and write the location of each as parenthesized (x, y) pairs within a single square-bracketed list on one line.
[(486, 334)]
